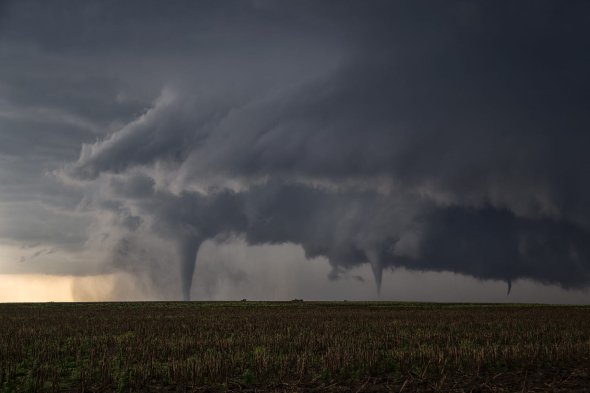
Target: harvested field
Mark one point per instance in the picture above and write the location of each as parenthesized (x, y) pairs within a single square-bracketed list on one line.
[(293, 346)]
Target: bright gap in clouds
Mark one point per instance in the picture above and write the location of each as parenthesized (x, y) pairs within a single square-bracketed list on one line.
[(35, 288), (16, 288)]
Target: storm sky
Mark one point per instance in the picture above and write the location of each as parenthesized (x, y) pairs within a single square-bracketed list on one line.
[(395, 150)]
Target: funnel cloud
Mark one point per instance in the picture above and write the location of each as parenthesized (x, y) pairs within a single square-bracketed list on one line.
[(427, 137)]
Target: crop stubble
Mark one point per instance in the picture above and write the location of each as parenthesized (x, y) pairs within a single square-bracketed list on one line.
[(292, 346)]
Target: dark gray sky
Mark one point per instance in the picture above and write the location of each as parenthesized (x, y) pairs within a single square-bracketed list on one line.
[(352, 143)]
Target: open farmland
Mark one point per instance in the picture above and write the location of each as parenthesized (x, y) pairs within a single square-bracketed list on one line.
[(270, 346)]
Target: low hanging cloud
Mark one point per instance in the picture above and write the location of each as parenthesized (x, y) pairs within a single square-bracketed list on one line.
[(260, 172), (389, 134)]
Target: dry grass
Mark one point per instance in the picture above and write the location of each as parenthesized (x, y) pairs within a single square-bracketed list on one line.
[(291, 346)]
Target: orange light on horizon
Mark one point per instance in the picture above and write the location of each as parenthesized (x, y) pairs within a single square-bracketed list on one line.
[(35, 288)]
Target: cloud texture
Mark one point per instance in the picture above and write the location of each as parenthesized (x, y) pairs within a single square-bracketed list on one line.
[(447, 137)]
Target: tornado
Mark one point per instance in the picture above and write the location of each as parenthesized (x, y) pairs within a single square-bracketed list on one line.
[(358, 150), (377, 267), (188, 250)]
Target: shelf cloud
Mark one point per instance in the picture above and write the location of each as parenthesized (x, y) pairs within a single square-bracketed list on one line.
[(448, 137)]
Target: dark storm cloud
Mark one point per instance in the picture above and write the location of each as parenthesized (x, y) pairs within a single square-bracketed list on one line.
[(432, 136), (355, 227)]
